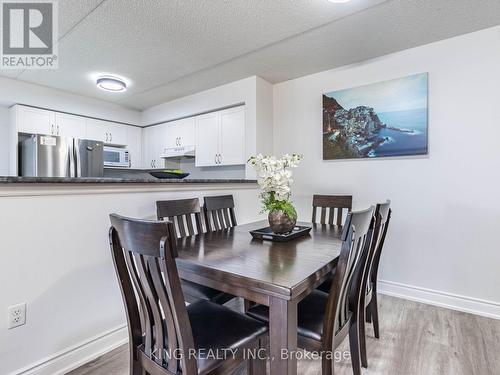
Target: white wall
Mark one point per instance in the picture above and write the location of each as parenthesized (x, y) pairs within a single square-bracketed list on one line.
[(443, 245), (56, 257), (255, 92)]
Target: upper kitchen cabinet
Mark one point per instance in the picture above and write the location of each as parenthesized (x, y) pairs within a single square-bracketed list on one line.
[(232, 136), (207, 139), (180, 133), (154, 145), (41, 121), (70, 125), (220, 138), (108, 132), (134, 146), (34, 121)]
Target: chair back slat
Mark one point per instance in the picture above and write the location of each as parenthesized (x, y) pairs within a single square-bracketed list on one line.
[(170, 340), (189, 222), (383, 214), (220, 217), (356, 237), (181, 213), (180, 225), (152, 294), (219, 212), (323, 215), (335, 204)]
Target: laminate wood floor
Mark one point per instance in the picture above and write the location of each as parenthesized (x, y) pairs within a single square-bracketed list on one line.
[(416, 339)]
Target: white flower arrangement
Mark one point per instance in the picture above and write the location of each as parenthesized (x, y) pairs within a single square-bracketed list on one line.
[(275, 179)]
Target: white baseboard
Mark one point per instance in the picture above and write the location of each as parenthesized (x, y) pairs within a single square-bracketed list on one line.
[(73, 357), (470, 305)]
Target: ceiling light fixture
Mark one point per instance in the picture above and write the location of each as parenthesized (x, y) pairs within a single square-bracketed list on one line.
[(110, 83), (339, 1)]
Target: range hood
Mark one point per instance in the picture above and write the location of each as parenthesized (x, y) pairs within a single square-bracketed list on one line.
[(178, 152)]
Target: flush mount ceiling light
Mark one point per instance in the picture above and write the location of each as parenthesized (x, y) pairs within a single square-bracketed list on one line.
[(339, 1), (112, 84)]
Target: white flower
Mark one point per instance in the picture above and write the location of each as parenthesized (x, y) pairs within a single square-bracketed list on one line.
[(273, 175)]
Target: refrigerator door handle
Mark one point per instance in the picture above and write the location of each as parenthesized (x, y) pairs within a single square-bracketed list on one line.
[(72, 158), (78, 157)]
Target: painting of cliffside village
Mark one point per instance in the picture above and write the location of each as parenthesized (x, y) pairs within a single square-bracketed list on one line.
[(383, 119)]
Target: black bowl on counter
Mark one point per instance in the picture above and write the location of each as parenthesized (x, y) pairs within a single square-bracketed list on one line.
[(164, 174)]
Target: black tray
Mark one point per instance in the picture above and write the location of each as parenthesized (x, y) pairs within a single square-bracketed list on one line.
[(268, 234)]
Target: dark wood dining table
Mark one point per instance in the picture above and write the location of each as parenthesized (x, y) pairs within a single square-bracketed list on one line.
[(276, 274)]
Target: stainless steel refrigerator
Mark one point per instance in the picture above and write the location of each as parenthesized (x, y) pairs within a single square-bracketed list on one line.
[(50, 156)]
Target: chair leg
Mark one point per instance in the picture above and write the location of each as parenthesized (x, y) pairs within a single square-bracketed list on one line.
[(368, 314), (374, 312), (362, 337), (257, 365), (327, 366), (354, 346)]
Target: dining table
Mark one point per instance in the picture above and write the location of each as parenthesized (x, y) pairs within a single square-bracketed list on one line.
[(276, 274)]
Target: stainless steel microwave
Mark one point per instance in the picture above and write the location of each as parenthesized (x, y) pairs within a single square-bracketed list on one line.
[(116, 157)]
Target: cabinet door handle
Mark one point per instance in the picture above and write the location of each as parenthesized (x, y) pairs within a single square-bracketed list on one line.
[(220, 159), (215, 158), (106, 136), (111, 137), (180, 141), (52, 129), (58, 132)]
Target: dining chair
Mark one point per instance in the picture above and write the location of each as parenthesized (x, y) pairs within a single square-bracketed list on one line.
[(166, 337), (369, 283), (336, 205), (185, 215), (326, 319), (219, 212)]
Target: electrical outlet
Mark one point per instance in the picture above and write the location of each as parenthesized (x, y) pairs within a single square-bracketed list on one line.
[(17, 315)]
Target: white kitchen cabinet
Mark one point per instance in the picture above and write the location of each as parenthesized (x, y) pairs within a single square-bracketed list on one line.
[(108, 132), (35, 121), (70, 125), (134, 146), (153, 146), (232, 136), (41, 121), (180, 133), (220, 138), (207, 139)]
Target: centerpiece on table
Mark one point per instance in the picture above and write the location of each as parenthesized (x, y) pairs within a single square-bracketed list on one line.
[(275, 180)]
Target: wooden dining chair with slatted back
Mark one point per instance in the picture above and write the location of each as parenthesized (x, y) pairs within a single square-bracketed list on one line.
[(185, 214), (335, 207), (326, 319), (219, 212), (369, 283), (166, 337)]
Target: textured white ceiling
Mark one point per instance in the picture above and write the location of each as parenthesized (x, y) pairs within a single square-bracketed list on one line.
[(172, 48)]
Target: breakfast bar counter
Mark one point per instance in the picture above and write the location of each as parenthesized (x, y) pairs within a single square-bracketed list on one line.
[(121, 180)]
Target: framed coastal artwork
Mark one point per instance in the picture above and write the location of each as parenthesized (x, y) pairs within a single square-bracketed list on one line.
[(382, 119)]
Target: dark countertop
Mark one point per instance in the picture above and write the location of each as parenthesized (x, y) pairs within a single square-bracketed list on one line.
[(113, 180)]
